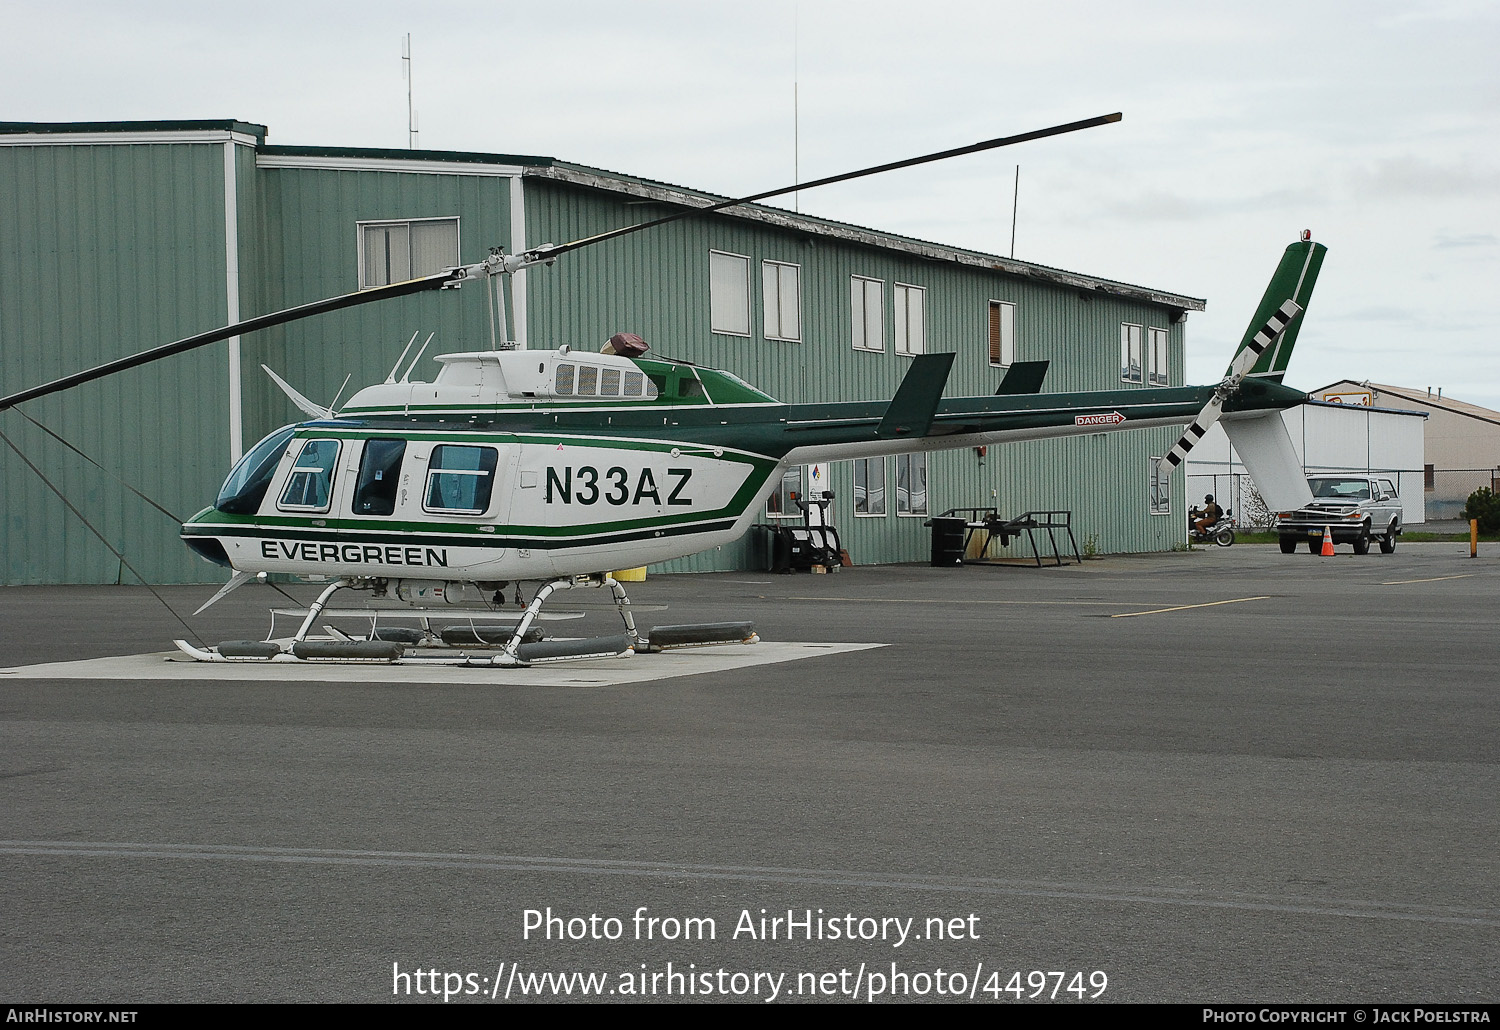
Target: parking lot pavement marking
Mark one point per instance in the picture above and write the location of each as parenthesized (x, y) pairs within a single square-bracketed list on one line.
[(965, 601), (1185, 607), (1434, 579), (1120, 894)]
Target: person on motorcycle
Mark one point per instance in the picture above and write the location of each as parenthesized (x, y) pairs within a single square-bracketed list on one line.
[(1209, 514)]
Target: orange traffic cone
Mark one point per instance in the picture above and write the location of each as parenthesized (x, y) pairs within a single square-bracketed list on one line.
[(1328, 541)]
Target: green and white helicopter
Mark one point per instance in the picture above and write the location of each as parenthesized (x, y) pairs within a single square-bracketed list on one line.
[(552, 466)]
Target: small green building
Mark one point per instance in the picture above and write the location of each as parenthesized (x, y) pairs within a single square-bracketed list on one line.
[(117, 237)]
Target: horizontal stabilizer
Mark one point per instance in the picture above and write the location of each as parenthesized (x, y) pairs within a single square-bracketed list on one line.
[(1264, 446), (916, 402), (1024, 377)]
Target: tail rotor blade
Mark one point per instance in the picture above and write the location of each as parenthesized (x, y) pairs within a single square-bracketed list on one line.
[(1195, 432), (1266, 335), (1243, 362)]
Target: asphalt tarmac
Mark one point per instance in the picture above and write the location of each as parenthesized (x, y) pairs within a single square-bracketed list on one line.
[(1219, 776)]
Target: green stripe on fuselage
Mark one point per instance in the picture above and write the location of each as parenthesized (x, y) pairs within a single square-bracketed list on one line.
[(762, 435), (514, 536)]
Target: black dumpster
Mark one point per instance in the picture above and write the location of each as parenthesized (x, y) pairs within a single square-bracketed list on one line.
[(948, 541)]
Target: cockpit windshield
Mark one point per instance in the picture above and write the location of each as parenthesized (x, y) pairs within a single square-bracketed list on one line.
[(246, 486)]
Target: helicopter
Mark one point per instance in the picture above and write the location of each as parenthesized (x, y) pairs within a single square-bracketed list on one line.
[(550, 466)]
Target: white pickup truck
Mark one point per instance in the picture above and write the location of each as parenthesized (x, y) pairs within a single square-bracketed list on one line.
[(1356, 508)]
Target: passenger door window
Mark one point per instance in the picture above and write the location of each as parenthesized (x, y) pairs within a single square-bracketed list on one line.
[(460, 479), (310, 486), (379, 476)]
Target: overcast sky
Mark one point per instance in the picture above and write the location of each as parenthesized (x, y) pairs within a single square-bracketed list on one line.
[(1372, 124)]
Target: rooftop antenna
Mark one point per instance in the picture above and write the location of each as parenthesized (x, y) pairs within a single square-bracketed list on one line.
[(796, 125), (411, 113), (1014, 201)]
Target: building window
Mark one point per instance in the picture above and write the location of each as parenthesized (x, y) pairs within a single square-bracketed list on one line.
[(781, 289), (1130, 353), (783, 503), (869, 486), (1159, 489), (729, 293), (911, 319), (1429, 477), (911, 484), (867, 308), (393, 252), (1159, 359), (1002, 334)]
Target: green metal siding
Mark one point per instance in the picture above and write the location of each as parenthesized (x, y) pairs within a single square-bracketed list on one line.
[(108, 250), (656, 284), (310, 251), (105, 251)]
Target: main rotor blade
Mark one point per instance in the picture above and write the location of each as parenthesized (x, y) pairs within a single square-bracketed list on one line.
[(430, 282), (890, 166), (455, 275)]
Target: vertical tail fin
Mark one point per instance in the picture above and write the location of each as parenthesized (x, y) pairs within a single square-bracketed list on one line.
[(1294, 280), (1264, 446)]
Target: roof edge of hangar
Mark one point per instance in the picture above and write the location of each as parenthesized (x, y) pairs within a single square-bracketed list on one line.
[(578, 175), (681, 196)]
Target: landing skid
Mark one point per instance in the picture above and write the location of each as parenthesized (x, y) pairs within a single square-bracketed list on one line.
[(473, 645)]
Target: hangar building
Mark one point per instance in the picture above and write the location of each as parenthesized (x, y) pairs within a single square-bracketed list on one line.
[(116, 237), (1461, 450), (1328, 437)]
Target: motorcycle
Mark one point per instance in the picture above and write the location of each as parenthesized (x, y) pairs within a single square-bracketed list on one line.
[(1220, 532)]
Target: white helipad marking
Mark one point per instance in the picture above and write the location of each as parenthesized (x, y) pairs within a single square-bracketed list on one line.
[(1434, 579), (594, 672), (1185, 607)]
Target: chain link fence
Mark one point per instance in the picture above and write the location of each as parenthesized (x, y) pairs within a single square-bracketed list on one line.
[(1449, 489)]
